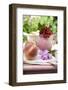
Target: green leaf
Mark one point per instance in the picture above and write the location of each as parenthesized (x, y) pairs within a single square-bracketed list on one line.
[(24, 38), (54, 28)]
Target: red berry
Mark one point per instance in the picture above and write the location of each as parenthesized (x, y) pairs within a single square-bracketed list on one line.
[(45, 32)]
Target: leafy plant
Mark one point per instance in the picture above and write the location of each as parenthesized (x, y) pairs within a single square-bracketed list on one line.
[(34, 23)]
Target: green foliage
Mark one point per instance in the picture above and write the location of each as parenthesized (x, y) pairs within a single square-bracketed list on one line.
[(37, 22), (26, 25), (24, 38)]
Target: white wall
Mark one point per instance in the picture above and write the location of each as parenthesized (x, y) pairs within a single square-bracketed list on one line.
[(4, 37)]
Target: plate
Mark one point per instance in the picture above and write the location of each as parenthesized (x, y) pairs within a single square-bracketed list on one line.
[(40, 61)]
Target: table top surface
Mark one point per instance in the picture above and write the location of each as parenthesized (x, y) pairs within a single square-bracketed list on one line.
[(32, 68)]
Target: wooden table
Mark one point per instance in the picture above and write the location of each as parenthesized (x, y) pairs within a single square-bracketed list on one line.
[(39, 69)]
